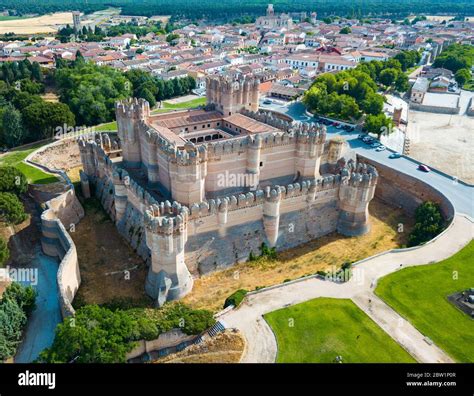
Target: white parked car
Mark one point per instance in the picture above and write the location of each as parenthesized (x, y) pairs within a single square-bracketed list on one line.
[(380, 148)]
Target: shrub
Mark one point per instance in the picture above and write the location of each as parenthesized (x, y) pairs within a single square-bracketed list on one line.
[(11, 208), (4, 252), (235, 298), (12, 180)]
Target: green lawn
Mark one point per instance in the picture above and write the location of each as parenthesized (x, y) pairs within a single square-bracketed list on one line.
[(109, 126), (420, 295), (324, 328), (181, 106), (11, 18), (34, 175)]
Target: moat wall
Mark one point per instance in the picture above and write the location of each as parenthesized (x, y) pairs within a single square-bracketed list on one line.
[(408, 192), (64, 210)]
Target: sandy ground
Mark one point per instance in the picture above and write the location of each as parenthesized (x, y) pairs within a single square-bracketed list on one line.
[(444, 141), (41, 24), (64, 157), (110, 269), (226, 347)]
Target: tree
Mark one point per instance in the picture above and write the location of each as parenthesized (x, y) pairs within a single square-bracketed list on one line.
[(12, 180), (373, 104), (388, 76), (147, 95), (345, 30), (16, 303), (429, 223), (462, 76), (4, 252), (401, 83), (43, 118), (378, 124), (11, 209), (13, 132)]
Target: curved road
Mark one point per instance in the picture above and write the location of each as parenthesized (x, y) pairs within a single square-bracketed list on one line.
[(261, 342)]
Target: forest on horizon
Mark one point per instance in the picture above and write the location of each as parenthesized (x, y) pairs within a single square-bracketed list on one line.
[(230, 9)]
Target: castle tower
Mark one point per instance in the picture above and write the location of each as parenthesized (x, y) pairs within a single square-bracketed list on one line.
[(355, 193), (166, 234), (188, 174), (310, 147), (86, 152), (230, 96), (131, 114), (271, 214)]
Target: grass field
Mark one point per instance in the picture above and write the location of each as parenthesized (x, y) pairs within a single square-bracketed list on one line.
[(318, 330), (110, 126), (180, 106), (34, 175), (420, 295)]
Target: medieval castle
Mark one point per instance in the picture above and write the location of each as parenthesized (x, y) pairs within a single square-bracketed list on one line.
[(197, 190)]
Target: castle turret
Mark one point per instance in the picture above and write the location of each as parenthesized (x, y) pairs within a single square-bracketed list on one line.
[(309, 146), (355, 193), (254, 149), (120, 180), (130, 114), (271, 214), (188, 174), (166, 234)]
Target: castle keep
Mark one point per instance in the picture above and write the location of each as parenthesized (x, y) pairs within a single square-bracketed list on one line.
[(194, 191)]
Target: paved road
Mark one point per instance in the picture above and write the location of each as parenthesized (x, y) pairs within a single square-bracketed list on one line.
[(460, 194), (261, 343)]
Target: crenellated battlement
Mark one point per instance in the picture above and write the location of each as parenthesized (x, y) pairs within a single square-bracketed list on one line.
[(359, 175), (253, 198), (166, 218), (135, 108)]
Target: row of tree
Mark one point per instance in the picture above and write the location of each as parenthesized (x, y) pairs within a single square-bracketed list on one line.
[(459, 59), (99, 34), (155, 89)]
